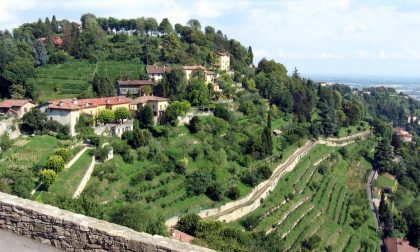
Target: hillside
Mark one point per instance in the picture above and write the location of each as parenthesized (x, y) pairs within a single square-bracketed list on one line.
[(161, 168)]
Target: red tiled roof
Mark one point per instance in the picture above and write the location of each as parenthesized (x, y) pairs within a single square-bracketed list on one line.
[(153, 69), (135, 82), (181, 236), (146, 98), (13, 103), (58, 41), (398, 245), (401, 132), (74, 104)]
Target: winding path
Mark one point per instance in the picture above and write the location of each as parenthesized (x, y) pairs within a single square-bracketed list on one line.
[(236, 209), (369, 189)]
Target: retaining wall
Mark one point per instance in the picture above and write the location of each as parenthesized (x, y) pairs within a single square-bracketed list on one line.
[(75, 232)]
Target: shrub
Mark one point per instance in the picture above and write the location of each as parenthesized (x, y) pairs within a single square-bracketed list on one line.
[(197, 182), (5, 143), (101, 154), (64, 153), (195, 124), (47, 176), (233, 192), (215, 191), (222, 112), (58, 57), (188, 223), (250, 222), (55, 163)]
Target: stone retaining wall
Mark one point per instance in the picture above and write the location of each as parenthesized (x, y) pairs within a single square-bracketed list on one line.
[(75, 232)]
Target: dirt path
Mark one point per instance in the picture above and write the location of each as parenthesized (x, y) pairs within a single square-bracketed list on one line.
[(85, 179), (236, 209)]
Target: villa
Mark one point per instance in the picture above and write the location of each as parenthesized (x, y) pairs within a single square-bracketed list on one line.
[(403, 135), (209, 75), (156, 103), (16, 107), (155, 73), (223, 61), (68, 111)]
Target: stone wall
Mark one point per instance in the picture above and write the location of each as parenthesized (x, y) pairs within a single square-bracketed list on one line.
[(75, 232)]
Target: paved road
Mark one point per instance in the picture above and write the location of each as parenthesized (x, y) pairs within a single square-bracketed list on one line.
[(10, 242)]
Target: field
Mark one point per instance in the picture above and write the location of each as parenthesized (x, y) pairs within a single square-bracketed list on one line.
[(28, 151), (69, 179), (72, 78), (384, 181), (310, 200)]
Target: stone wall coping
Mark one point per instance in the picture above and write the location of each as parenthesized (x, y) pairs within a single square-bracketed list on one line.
[(100, 225)]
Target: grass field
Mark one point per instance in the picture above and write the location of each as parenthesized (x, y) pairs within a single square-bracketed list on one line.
[(68, 179), (28, 151), (73, 78), (384, 181)]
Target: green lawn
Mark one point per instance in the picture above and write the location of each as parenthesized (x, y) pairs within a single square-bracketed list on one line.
[(69, 179), (384, 181)]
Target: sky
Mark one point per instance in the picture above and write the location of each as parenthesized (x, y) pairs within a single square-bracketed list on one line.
[(327, 37)]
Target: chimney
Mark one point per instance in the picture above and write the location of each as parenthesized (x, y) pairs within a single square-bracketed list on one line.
[(74, 101), (61, 103)]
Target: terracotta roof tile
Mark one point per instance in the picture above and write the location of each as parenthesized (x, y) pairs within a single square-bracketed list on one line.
[(153, 69), (398, 245), (146, 98), (13, 103), (74, 104)]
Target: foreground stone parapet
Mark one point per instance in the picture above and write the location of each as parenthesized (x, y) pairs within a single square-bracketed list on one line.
[(75, 232)]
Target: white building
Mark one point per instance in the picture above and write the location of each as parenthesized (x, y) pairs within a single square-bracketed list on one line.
[(223, 61), (155, 73)]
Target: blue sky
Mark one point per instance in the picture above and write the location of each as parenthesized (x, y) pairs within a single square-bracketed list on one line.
[(332, 37)]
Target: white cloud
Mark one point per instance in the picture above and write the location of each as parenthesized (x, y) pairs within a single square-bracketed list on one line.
[(408, 53), (362, 54)]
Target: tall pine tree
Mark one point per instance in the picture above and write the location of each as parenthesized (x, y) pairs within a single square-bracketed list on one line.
[(266, 139), (382, 161)]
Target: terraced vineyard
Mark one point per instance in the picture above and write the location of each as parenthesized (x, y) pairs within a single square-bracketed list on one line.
[(310, 201), (73, 78)]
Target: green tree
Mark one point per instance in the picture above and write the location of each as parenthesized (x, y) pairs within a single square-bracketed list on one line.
[(121, 114), (171, 48), (146, 116), (165, 27), (47, 176), (188, 223), (40, 53), (17, 91), (64, 153), (198, 182), (5, 142), (55, 163), (382, 161), (197, 92), (54, 24), (194, 24), (151, 25), (137, 218), (106, 116), (267, 139), (312, 243), (33, 122), (102, 86)]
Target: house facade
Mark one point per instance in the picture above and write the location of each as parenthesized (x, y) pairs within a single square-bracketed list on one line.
[(68, 111), (133, 87), (155, 73), (223, 61), (156, 103), (398, 245), (403, 135), (16, 107), (209, 75)]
